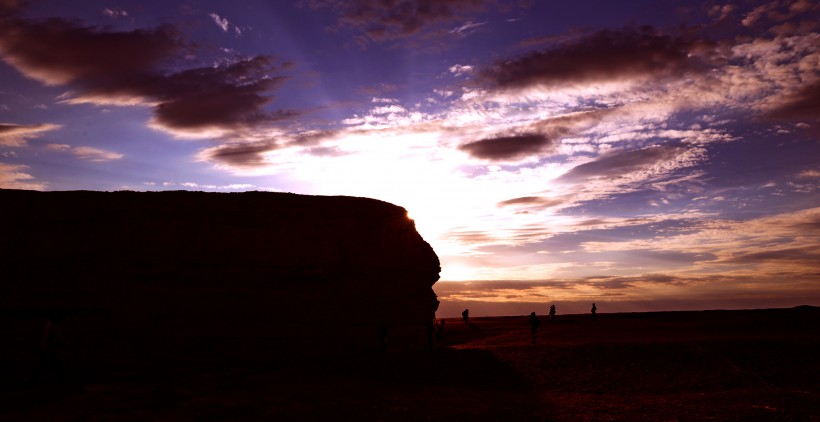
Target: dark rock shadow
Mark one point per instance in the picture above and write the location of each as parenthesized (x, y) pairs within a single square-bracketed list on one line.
[(445, 384)]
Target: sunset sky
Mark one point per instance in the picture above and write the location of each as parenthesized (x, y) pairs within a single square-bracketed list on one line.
[(644, 155)]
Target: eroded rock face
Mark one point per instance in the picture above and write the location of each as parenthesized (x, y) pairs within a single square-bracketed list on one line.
[(299, 268)]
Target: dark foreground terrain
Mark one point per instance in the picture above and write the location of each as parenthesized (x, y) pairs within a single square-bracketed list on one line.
[(718, 365)]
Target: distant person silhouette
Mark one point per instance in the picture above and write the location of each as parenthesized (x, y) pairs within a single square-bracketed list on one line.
[(50, 345), (465, 316), (594, 309), (382, 334), (552, 312), (534, 324), (440, 330)]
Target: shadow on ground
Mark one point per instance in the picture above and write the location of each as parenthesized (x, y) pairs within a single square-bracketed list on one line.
[(208, 383), (734, 365)]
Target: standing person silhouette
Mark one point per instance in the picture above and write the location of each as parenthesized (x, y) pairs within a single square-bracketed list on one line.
[(440, 330), (50, 345), (534, 323), (594, 309), (465, 316), (552, 312)]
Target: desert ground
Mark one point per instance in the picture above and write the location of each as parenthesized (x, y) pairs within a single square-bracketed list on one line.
[(707, 365)]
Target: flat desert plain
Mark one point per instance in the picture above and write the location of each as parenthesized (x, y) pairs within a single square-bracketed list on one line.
[(706, 365)]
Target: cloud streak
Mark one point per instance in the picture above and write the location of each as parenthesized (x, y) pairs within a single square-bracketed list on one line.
[(92, 154), (241, 155), (221, 22), (621, 163), (13, 135), (15, 176)]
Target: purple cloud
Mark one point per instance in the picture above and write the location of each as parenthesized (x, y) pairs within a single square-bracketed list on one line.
[(803, 104), (607, 55), (127, 68), (540, 137), (389, 20), (245, 154), (622, 162), (507, 147), (808, 255), (533, 201)]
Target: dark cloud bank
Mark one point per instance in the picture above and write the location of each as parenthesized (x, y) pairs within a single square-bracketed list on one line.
[(607, 55), (540, 138), (102, 66), (507, 147), (802, 105), (380, 20)]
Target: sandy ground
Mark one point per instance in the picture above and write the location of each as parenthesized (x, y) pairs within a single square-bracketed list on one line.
[(714, 365)]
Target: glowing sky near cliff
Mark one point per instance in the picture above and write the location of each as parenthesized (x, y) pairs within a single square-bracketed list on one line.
[(645, 155)]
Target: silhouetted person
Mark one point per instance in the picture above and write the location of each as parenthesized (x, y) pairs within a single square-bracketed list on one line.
[(466, 316), (534, 323), (382, 334), (440, 331), (50, 345), (594, 309), (552, 312)]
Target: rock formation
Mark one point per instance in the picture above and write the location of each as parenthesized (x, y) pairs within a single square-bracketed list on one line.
[(302, 270)]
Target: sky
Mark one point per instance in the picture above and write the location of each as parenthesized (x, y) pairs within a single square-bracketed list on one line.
[(643, 155)]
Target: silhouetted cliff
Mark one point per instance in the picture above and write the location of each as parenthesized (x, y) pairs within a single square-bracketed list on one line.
[(303, 269)]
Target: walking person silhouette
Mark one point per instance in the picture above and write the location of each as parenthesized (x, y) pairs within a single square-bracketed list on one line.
[(534, 323)]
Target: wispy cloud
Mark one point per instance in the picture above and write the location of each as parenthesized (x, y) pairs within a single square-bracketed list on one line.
[(13, 135), (114, 13), (15, 176), (467, 29), (769, 246), (460, 70), (92, 154), (621, 163), (221, 22)]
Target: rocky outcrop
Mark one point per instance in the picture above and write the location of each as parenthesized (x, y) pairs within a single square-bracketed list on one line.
[(301, 269)]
